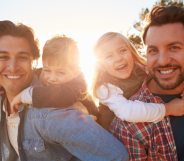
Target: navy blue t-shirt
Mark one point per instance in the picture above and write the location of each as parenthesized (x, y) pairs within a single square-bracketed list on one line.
[(177, 124)]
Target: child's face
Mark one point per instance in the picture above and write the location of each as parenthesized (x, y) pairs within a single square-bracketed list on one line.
[(57, 74), (116, 58)]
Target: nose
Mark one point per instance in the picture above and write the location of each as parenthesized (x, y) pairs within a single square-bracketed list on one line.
[(13, 65), (164, 58)]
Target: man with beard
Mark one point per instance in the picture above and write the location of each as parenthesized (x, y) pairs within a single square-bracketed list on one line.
[(164, 40)]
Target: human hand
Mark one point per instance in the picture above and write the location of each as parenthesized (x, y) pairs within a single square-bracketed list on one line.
[(15, 103), (175, 107), (24, 96)]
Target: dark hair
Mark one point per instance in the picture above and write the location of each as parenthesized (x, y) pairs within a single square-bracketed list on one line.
[(161, 15), (20, 30)]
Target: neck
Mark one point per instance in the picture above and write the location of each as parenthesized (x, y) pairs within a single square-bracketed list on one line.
[(10, 109), (155, 88), (10, 97)]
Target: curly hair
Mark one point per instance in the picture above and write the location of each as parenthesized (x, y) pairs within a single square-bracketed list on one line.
[(161, 15), (20, 30)]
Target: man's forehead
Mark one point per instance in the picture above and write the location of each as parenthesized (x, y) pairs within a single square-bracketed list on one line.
[(11, 44), (165, 34)]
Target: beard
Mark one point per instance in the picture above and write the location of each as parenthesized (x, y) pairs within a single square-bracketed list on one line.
[(169, 86), (163, 84)]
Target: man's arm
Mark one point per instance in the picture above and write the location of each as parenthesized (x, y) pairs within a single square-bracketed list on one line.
[(82, 136)]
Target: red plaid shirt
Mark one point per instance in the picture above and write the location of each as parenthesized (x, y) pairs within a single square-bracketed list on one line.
[(146, 141)]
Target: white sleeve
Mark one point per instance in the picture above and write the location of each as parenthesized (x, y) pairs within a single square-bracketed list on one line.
[(132, 111), (26, 95)]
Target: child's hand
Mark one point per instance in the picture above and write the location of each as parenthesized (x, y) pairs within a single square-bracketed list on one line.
[(16, 102), (23, 97), (175, 107)]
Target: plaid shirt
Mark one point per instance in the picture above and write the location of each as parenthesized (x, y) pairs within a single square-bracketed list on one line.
[(146, 141)]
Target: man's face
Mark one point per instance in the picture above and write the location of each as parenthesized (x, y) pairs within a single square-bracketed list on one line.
[(15, 64), (165, 55)]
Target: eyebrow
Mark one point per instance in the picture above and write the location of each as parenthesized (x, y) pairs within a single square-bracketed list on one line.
[(3, 52), (175, 43), (25, 53), (151, 46)]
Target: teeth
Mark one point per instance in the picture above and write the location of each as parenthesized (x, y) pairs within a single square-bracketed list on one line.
[(13, 77), (166, 71)]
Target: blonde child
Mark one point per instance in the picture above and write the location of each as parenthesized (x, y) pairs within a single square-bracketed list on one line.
[(120, 72), (62, 82)]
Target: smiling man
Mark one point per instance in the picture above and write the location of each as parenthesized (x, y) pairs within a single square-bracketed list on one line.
[(164, 40), (46, 134)]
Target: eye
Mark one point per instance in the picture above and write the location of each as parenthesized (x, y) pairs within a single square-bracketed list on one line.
[(175, 48), (61, 73), (24, 58), (3, 57), (108, 56), (122, 50), (152, 51), (45, 70)]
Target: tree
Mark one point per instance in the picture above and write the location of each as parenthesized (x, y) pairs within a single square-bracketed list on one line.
[(135, 38)]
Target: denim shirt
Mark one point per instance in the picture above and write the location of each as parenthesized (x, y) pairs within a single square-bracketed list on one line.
[(51, 134)]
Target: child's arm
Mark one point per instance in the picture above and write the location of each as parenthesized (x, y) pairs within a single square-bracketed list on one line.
[(63, 95), (136, 111), (60, 96)]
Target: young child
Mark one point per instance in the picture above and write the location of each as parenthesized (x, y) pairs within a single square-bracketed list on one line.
[(62, 82), (120, 72)]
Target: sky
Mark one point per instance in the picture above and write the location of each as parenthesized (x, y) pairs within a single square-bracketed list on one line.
[(83, 20)]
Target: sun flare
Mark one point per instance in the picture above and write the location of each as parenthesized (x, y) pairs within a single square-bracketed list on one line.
[(87, 63)]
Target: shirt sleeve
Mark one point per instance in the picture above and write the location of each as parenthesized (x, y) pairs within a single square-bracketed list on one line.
[(59, 96), (81, 136), (135, 111), (128, 110)]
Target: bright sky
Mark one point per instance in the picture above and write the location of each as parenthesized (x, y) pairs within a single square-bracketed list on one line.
[(83, 20)]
